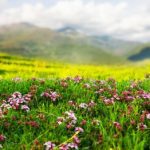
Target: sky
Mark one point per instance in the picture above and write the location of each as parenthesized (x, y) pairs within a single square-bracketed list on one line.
[(125, 19)]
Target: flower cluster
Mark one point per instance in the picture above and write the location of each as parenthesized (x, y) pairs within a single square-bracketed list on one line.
[(53, 96), (109, 101), (69, 118), (49, 145), (77, 79), (32, 124), (16, 101), (65, 146), (88, 105)]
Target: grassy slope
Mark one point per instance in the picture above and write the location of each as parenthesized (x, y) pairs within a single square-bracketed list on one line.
[(137, 50), (43, 43), (12, 66)]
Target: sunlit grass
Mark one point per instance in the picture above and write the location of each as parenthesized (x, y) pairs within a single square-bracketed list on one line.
[(20, 67)]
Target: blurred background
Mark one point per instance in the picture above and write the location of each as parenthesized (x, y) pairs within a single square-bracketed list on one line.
[(91, 32)]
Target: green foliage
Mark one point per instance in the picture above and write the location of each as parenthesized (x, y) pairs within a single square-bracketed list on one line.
[(99, 130)]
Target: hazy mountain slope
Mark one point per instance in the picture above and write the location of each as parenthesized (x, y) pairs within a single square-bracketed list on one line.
[(140, 53), (31, 41), (111, 45)]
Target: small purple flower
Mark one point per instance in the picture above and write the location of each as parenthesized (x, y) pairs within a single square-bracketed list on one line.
[(91, 104), (142, 126), (25, 107), (146, 96), (129, 98), (16, 95), (45, 94), (27, 97), (148, 116), (109, 101), (70, 116), (54, 96), (64, 147), (76, 140), (49, 145), (51, 95), (73, 145), (2, 138), (83, 105), (79, 129), (60, 120), (117, 125), (77, 79)]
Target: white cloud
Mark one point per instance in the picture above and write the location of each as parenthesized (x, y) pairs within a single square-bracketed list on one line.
[(2, 4), (2, 1), (117, 19)]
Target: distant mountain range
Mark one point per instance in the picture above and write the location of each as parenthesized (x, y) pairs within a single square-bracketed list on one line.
[(68, 44), (113, 45)]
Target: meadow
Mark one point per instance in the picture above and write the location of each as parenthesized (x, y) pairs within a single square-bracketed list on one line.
[(58, 106), (13, 66)]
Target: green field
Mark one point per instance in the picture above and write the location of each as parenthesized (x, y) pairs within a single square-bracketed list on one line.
[(15, 66), (62, 106)]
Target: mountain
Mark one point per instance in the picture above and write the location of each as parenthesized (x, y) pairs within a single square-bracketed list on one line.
[(141, 52), (68, 30), (113, 45), (110, 44), (31, 41)]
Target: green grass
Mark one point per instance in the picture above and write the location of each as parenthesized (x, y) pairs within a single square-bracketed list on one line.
[(30, 130), (102, 135)]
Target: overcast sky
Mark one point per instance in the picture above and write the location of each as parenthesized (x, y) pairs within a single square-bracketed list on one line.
[(127, 19)]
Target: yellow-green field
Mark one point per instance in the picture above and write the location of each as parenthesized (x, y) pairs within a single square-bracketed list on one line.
[(11, 67)]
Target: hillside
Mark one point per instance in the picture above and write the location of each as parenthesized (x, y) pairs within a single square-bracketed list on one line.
[(110, 44), (113, 45), (31, 41), (141, 52)]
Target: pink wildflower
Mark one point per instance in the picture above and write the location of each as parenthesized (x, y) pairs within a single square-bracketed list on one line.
[(117, 125), (25, 107), (64, 147), (73, 145), (76, 140), (77, 79), (49, 145), (148, 116), (2, 138), (142, 126), (109, 101), (79, 129)]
